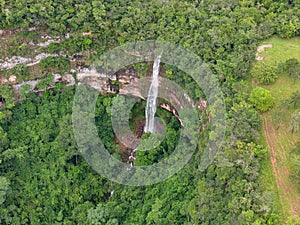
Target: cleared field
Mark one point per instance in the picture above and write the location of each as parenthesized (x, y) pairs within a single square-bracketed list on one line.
[(276, 122)]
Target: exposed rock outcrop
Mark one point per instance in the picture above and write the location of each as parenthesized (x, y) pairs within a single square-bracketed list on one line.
[(262, 49)]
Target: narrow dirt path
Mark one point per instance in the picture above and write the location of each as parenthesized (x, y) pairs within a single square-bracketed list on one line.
[(281, 172)]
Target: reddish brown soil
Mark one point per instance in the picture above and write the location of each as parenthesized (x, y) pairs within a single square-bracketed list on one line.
[(281, 172)]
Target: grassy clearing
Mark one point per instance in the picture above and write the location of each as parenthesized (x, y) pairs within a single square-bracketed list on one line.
[(282, 50), (268, 182), (276, 123), (284, 86)]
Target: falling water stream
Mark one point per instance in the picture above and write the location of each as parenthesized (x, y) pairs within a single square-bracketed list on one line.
[(152, 97)]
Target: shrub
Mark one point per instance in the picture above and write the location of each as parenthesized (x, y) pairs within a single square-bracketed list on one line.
[(265, 73), (261, 99), (58, 64)]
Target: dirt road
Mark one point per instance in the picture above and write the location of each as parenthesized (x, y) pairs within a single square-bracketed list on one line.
[(277, 155)]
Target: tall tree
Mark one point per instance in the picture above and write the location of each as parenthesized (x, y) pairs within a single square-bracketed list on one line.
[(261, 99)]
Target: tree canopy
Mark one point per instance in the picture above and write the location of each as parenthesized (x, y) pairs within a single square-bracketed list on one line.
[(44, 178), (261, 99)]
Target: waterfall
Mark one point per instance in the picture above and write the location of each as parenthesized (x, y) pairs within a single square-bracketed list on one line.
[(151, 99)]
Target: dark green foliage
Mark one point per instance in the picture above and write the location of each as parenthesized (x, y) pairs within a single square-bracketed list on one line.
[(50, 183), (44, 83), (4, 142), (7, 97), (4, 187), (244, 122), (51, 174), (292, 67), (21, 71), (233, 179), (76, 44), (99, 216), (60, 64), (223, 33)]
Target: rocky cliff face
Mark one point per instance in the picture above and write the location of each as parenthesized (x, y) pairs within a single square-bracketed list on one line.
[(117, 83), (126, 82)]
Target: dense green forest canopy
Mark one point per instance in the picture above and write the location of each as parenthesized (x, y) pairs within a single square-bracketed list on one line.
[(45, 180), (222, 32)]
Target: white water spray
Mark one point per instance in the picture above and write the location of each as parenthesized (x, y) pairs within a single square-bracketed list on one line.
[(152, 97)]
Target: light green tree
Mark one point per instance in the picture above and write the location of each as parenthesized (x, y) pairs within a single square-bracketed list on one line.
[(261, 99)]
